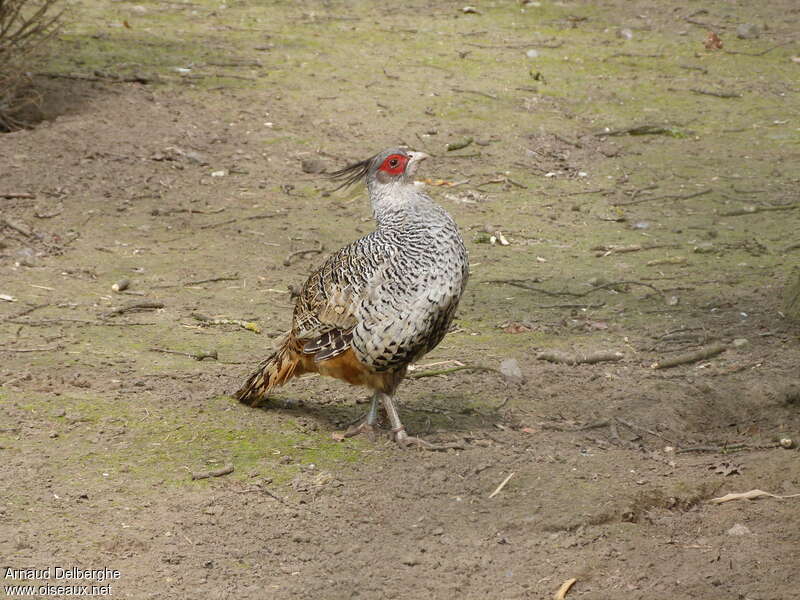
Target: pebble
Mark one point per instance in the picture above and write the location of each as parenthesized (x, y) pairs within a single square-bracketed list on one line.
[(704, 248), (532, 53), (738, 529), (747, 31), (410, 560), (739, 342), (510, 368), (312, 165), (625, 34)]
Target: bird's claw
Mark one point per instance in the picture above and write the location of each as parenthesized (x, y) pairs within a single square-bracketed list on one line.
[(362, 427), (407, 441)]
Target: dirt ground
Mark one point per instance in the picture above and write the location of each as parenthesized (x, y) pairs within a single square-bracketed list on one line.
[(180, 147)]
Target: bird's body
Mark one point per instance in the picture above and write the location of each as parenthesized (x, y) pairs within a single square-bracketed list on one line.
[(381, 302)]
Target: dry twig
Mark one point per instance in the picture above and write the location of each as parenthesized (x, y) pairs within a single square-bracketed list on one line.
[(751, 495), (134, 307), (450, 370), (613, 285), (226, 470), (17, 195), (561, 594), (665, 197), (503, 483), (202, 355), (292, 255)]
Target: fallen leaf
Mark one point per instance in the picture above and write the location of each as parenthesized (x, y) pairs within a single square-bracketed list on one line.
[(713, 42), (516, 327), (440, 182), (725, 469)]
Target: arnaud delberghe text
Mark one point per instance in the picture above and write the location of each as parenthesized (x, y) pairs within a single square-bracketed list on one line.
[(62, 574)]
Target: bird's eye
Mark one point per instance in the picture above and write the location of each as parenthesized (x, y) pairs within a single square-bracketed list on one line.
[(393, 163)]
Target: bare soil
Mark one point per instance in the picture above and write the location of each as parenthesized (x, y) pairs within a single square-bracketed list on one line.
[(180, 147)]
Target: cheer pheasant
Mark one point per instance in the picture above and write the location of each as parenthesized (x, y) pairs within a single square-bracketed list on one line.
[(381, 302)]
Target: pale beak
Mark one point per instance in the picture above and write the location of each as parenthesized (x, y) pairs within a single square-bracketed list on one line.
[(416, 158)]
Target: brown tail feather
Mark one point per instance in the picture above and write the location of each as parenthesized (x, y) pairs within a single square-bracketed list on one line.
[(276, 370)]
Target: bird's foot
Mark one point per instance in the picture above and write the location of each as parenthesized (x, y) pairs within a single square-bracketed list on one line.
[(409, 441), (363, 427)]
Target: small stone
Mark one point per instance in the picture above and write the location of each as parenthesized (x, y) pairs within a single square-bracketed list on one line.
[(704, 248), (510, 368), (195, 157), (748, 31), (787, 443), (738, 529), (625, 33), (410, 560), (437, 531), (739, 342), (312, 165), (532, 53)]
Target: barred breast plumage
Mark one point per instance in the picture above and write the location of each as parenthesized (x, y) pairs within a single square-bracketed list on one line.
[(381, 302)]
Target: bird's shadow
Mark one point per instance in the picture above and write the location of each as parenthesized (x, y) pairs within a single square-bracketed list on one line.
[(442, 413)]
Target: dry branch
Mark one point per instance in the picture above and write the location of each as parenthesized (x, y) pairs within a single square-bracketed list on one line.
[(716, 94), (450, 370), (292, 255), (645, 129), (561, 594), (691, 357), (226, 470), (751, 210), (22, 313), (249, 325), (133, 307), (25, 27), (17, 196), (202, 355), (503, 483), (665, 197), (751, 495), (589, 358), (612, 284)]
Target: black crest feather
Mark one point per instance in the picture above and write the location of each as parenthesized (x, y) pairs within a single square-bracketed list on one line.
[(352, 174)]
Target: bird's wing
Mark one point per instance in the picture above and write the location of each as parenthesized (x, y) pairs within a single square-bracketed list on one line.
[(326, 311)]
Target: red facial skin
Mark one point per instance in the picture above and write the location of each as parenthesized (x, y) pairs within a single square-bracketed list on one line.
[(394, 164)]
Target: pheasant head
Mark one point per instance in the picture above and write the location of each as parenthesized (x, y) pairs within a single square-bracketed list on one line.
[(392, 167)]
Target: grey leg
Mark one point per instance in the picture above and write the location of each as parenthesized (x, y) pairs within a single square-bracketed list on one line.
[(367, 425), (399, 431)]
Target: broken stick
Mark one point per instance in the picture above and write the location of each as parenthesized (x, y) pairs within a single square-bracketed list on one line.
[(226, 470), (691, 357), (135, 306), (590, 358)]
